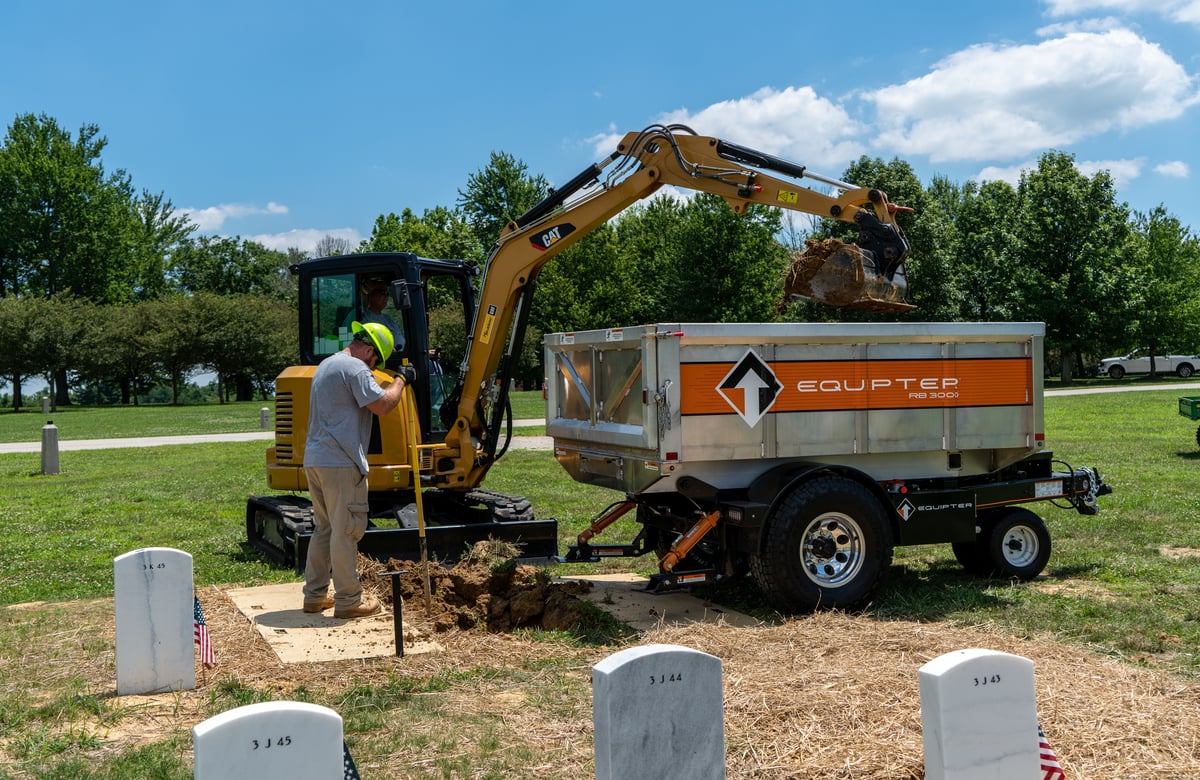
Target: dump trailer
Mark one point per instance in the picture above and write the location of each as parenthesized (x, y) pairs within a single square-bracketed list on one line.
[(803, 453)]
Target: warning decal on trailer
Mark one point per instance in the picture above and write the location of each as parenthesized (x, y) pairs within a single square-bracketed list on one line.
[(752, 387)]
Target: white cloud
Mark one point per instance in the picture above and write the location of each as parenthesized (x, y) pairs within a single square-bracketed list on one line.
[(997, 102), (1008, 173), (1122, 171), (305, 240), (212, 218), (1176, 169), (794, 123), (1097, 25), (1186, 11)]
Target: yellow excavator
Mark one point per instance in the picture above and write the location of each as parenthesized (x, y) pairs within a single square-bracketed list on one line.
[(464, 416)]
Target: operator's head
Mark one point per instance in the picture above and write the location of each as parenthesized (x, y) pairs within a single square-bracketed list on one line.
[(375, 293), (376, 336)]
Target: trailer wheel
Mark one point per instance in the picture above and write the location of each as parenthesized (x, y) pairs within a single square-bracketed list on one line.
[(1018, 544), (827, 545)]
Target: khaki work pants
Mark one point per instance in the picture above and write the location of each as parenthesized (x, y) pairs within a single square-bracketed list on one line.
[(340, 511)]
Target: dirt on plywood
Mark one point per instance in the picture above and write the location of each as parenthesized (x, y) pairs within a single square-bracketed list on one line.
[(487, 589)]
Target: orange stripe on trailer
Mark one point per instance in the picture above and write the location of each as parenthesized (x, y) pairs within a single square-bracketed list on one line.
[(832, 385)]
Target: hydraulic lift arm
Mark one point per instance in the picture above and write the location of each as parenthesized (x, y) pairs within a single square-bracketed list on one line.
[(643, 162)]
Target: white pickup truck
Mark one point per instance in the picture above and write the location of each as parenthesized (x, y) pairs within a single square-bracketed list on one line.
[(1138, 362)]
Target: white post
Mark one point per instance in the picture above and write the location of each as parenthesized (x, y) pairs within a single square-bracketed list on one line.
[(50, 464)]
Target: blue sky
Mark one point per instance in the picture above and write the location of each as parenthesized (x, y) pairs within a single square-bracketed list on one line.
[(284, 122)]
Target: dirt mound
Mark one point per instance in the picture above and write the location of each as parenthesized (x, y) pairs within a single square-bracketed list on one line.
[(487, 589)]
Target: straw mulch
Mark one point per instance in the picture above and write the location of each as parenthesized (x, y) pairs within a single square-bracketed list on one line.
[(822, 696)]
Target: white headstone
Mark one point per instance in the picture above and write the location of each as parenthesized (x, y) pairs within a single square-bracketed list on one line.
[(979, 717), (277, 740), (154, 606), (658, 712)]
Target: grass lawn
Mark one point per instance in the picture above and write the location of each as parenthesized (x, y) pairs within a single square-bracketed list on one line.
[(1124, 583)]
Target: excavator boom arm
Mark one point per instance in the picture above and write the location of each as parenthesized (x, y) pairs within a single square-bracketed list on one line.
[(643, 162)]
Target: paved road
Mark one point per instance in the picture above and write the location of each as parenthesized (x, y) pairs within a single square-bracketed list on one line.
[(66, 445)]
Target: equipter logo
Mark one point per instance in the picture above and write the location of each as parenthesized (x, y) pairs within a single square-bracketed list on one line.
[(750, 387)]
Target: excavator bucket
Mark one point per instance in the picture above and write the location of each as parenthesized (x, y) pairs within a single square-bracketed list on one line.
[(843, 275)]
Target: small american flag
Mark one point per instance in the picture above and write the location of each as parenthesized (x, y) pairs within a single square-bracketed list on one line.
[(349, 770), (200, 635), (1051, 770)]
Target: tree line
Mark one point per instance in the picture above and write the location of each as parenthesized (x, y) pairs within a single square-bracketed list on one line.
[(105, 287)]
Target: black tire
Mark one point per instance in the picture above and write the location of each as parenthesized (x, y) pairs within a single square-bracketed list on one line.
[(973, 556), (1116, 372), (827, 545), (1018, 544), (1184, 370)]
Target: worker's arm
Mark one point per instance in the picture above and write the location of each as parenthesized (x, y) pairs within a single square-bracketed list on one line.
[(393, 392)]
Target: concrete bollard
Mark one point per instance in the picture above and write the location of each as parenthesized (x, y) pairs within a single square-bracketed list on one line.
[(264, 418), (50, 463), (45, 404)]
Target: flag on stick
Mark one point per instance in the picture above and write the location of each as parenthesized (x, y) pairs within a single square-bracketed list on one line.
[(1051, 770), (349, 770), (200, 635)]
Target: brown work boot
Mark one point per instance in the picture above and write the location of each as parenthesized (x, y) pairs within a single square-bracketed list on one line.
[(318, 606), (368, 606)]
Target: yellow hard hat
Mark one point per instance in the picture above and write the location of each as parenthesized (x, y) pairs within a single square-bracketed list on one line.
[(380, 336)]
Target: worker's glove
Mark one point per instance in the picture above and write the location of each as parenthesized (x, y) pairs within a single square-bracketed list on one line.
[(409, 373)]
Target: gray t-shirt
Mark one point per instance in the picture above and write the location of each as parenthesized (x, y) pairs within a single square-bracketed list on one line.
[(339, 424)]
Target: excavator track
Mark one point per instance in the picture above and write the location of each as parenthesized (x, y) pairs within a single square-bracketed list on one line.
[(281, 526)]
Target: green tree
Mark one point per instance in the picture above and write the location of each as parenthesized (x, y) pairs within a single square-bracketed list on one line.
[(118, 349), (230, 266), (592, 284), (246, 339), (19, 351), (722, 267), (65, 224), (988, 264), (173, 335), (160, 232), (438, 233), (1071, 237), (1166, 305), (498, 194)]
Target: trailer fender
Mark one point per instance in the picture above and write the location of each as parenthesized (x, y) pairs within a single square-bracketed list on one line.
[(826, 544), (773, 486)]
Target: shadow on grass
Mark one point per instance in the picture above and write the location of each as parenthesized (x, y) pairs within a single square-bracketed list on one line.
[(923, 593)]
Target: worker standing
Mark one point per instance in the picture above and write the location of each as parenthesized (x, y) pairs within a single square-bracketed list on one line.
[(344, 396)]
